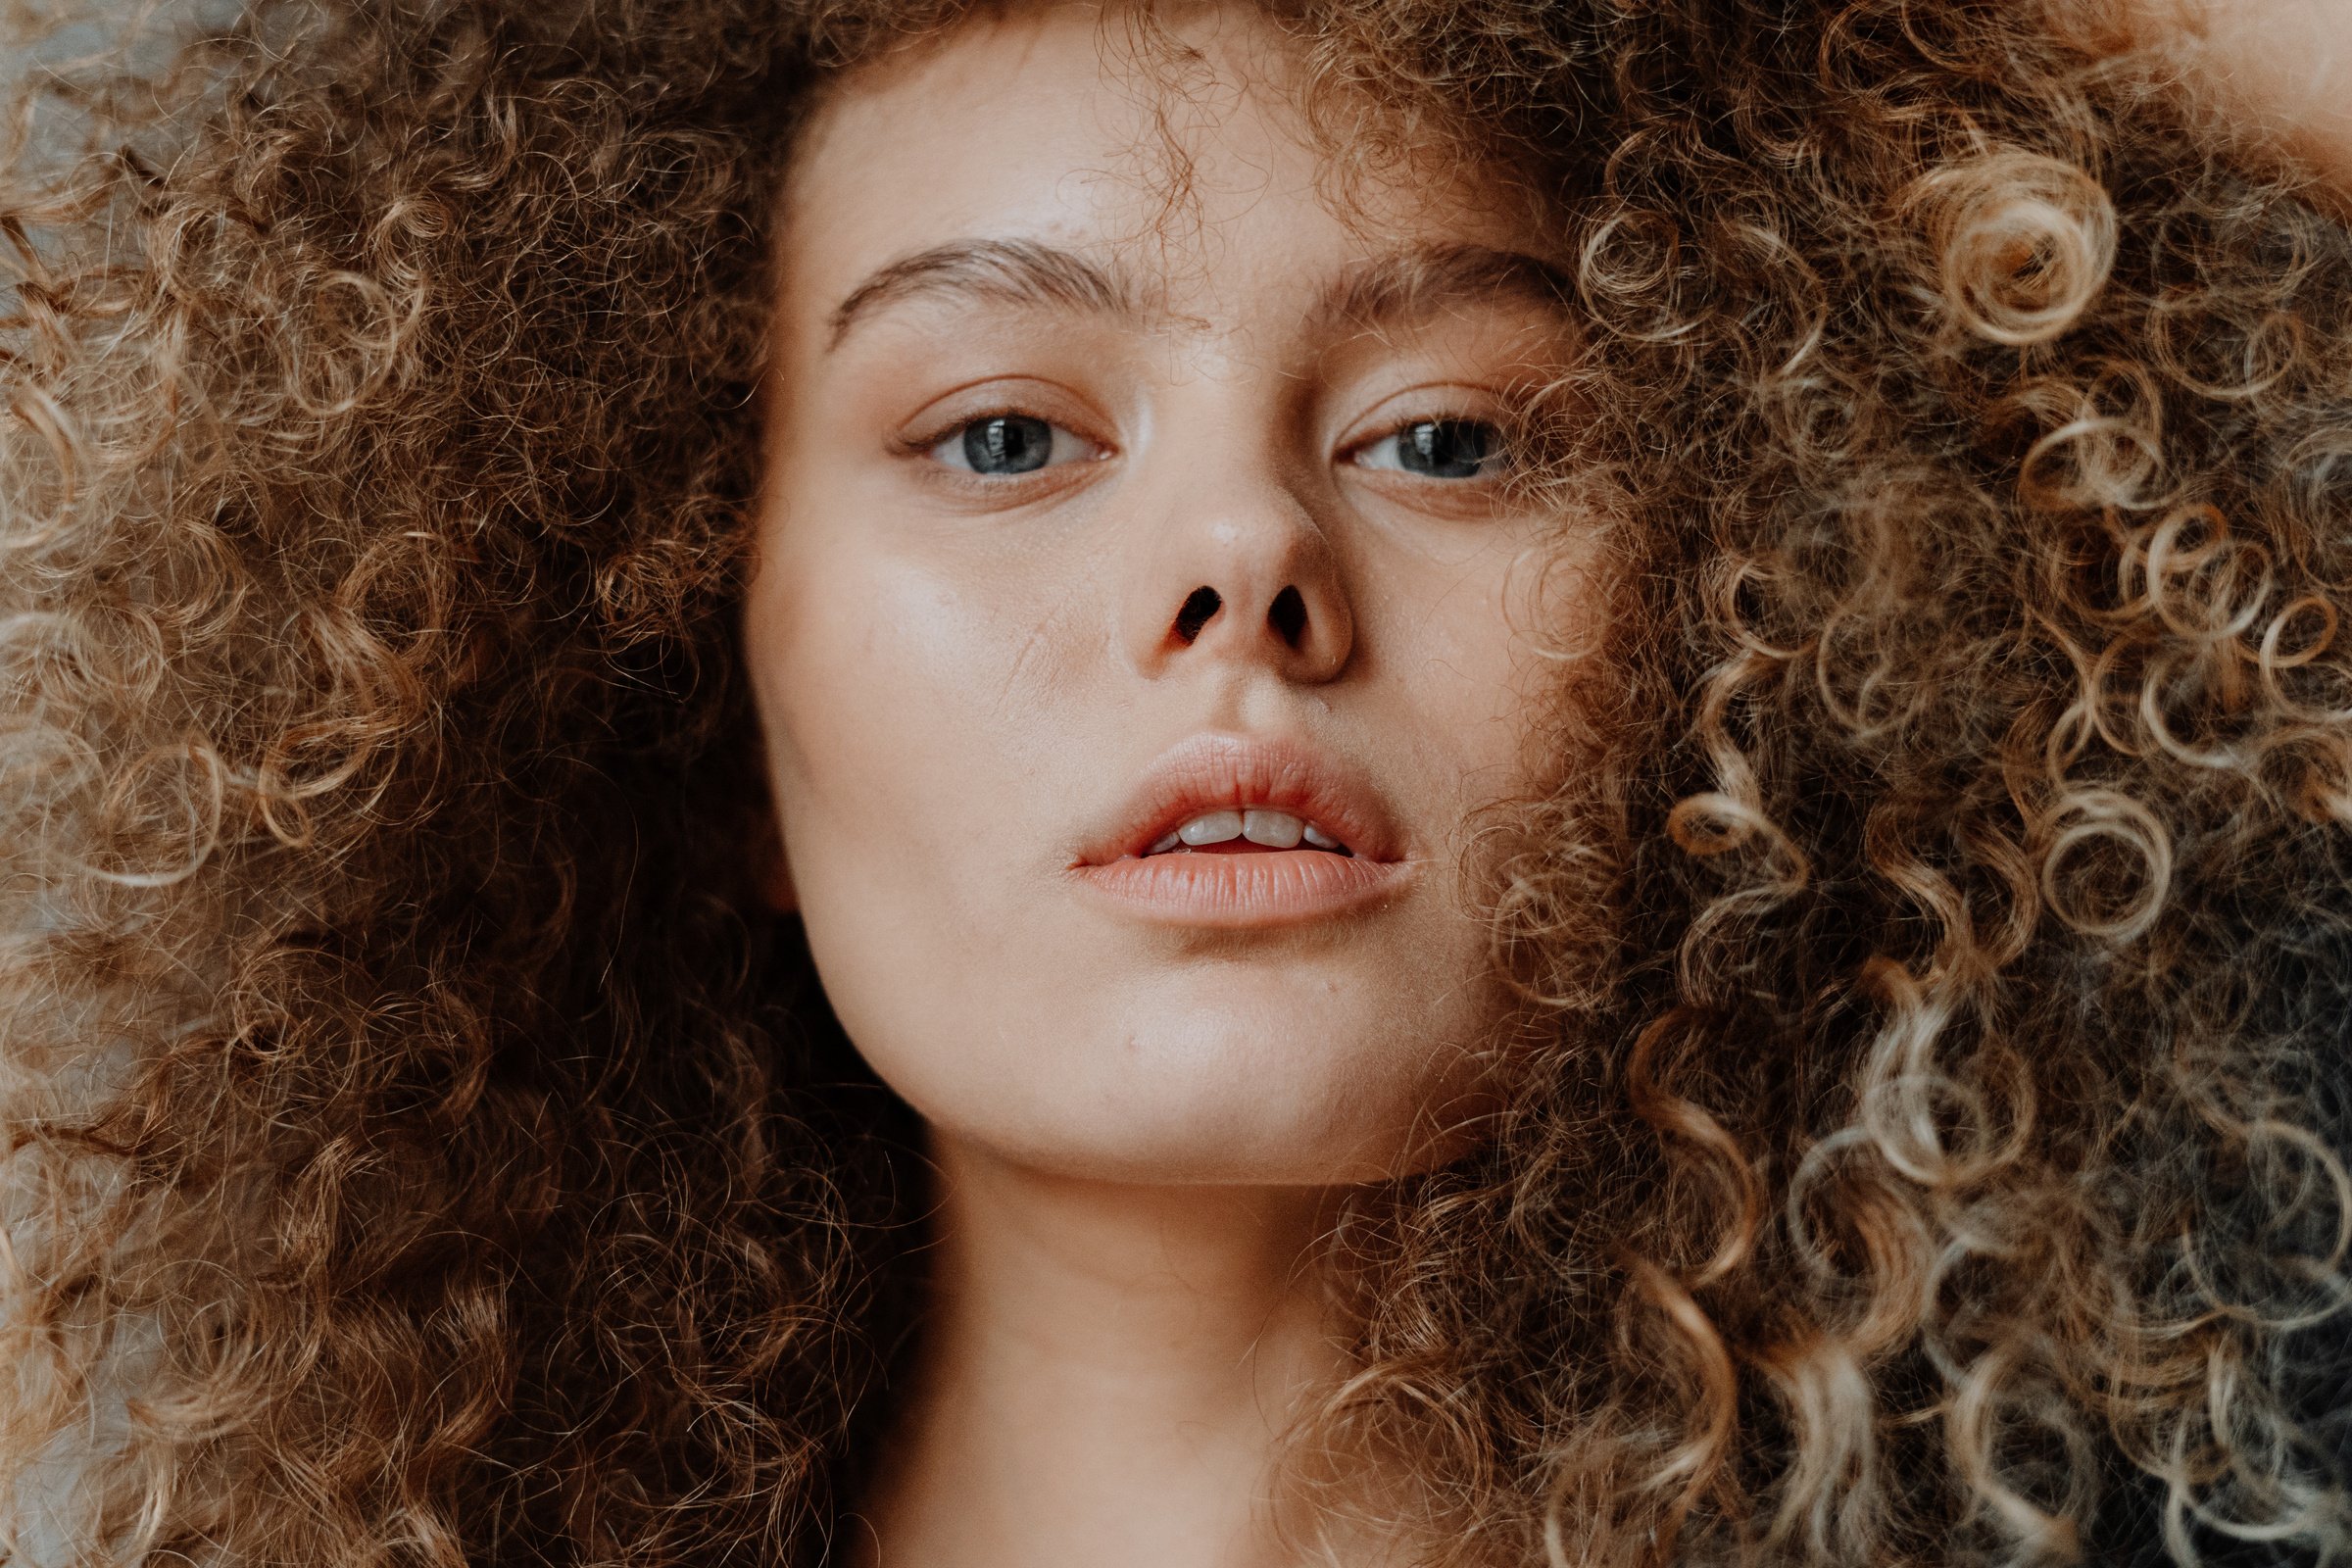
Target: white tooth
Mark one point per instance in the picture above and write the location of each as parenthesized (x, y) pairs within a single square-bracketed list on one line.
[(1214, 827), (1320, 839), (1163, 846), (1276, 830)]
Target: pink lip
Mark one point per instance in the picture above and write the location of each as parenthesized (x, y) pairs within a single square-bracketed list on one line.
[(1274, 886)]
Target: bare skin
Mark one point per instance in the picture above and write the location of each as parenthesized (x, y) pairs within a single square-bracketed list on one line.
[(1108, 1375), (2285, 68), (1250, 496), (2278, 71), (1139, 1116)]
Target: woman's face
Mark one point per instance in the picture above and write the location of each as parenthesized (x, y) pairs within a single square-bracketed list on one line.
[(1128, 492)]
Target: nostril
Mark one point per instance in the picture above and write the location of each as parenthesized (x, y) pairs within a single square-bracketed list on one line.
[(1288, 616), (1198, 605)]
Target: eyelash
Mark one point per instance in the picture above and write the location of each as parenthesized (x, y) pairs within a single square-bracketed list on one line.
[(1497, 454), (927, 445)]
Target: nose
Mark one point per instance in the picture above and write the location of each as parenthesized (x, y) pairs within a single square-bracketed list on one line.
[(1241, 573)]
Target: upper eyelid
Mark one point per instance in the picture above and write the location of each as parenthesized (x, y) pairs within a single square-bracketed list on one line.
[(1389, 428), (1504, 408), (1353, 453), (934, 436), (925, 449), (925, 445), (1443, 400), (974, 402)]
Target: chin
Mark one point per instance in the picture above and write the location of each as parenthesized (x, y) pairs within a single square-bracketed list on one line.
[(1229, 1093)]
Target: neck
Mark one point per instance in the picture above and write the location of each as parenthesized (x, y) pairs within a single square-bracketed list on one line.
[(1106, 1373)]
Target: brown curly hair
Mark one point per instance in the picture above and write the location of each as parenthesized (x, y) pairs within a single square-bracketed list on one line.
[(1923, 1134)]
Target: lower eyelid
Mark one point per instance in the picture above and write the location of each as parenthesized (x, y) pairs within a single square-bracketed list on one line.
[(1499, 458), (931, 447)]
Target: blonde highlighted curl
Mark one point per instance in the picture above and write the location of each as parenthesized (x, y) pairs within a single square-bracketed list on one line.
[(1923, 1140)]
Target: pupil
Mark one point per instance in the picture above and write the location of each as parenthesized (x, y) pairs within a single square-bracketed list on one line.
[(1009, 443), (1446, 449)]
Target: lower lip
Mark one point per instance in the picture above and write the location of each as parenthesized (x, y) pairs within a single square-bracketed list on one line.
[(1276, 887)]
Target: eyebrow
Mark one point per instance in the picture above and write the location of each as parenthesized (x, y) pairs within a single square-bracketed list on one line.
[(1413, 285), (1000, 272), (1401, 286)]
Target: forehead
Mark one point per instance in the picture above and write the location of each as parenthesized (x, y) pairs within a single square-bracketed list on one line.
[(1173, 151)]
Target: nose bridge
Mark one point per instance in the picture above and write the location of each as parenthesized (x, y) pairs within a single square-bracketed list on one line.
[(1237, 570)]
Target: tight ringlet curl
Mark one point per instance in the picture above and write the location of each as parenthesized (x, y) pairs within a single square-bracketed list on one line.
[(1921, 1143)]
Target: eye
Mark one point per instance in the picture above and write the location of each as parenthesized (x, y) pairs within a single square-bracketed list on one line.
[(1439, 449), (1009, 445)]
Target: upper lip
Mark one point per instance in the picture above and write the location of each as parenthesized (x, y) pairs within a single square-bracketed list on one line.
[(1230, 772)]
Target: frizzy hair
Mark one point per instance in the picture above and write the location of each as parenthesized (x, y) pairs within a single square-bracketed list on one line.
[(1934, 939)]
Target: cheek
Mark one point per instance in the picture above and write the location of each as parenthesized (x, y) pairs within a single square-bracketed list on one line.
[(874, 686), (1470, 678), (912, 705), (930, 723)]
